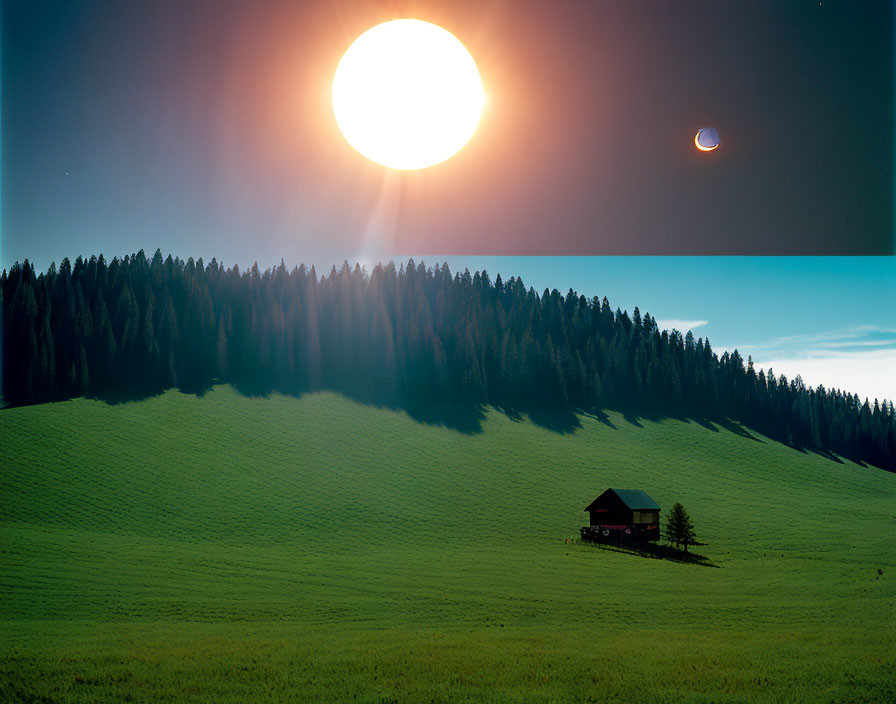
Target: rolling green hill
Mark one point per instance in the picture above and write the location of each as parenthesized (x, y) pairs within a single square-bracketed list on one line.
[(227, 548)]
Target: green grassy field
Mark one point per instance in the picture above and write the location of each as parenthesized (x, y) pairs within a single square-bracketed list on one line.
[(235, 549)]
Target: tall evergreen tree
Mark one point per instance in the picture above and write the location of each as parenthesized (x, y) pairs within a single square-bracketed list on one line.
[(679, 529)]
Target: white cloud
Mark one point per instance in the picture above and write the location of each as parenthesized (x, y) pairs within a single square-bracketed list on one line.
[(844, 337), (861, 343), (869, 373), (680, 325), (859, 359)]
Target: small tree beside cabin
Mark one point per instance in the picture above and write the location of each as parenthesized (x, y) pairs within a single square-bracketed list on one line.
[(679, 529)]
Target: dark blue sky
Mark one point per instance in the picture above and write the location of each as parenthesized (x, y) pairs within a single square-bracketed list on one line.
[(204, 128)]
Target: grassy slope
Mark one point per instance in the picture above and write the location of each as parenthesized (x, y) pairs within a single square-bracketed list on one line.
[(196, 549)]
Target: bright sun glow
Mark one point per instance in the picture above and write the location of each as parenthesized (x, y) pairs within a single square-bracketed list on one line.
[(407, 94)]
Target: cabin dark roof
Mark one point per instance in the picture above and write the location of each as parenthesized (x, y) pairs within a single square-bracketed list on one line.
[(635, 499)]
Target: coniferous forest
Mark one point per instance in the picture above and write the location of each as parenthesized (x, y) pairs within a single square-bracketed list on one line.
[(411, 336)]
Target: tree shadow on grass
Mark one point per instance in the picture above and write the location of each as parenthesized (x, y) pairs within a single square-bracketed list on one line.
[(655, 552), (512, 413), (118, 397), (256, 389), (803, 450), (199, 389), (712, 424), (464, 418), (634, 416), (738, 429), (600, 417), (632, 419), (559, 420), (705, 423), (468, 417)]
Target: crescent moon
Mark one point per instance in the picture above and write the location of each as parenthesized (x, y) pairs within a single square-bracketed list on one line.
[(701, 147)]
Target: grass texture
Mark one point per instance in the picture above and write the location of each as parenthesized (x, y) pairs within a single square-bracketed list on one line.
[(227, 548)]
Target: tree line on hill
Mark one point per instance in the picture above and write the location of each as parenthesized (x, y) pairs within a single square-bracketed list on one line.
[(408, 336)]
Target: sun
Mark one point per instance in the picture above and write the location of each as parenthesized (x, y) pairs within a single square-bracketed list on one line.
[(407, 94)]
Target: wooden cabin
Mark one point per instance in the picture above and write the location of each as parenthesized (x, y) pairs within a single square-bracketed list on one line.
[(623, 515)]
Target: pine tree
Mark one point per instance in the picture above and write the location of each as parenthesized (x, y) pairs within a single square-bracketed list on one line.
[(83, 373), (679, 529)]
